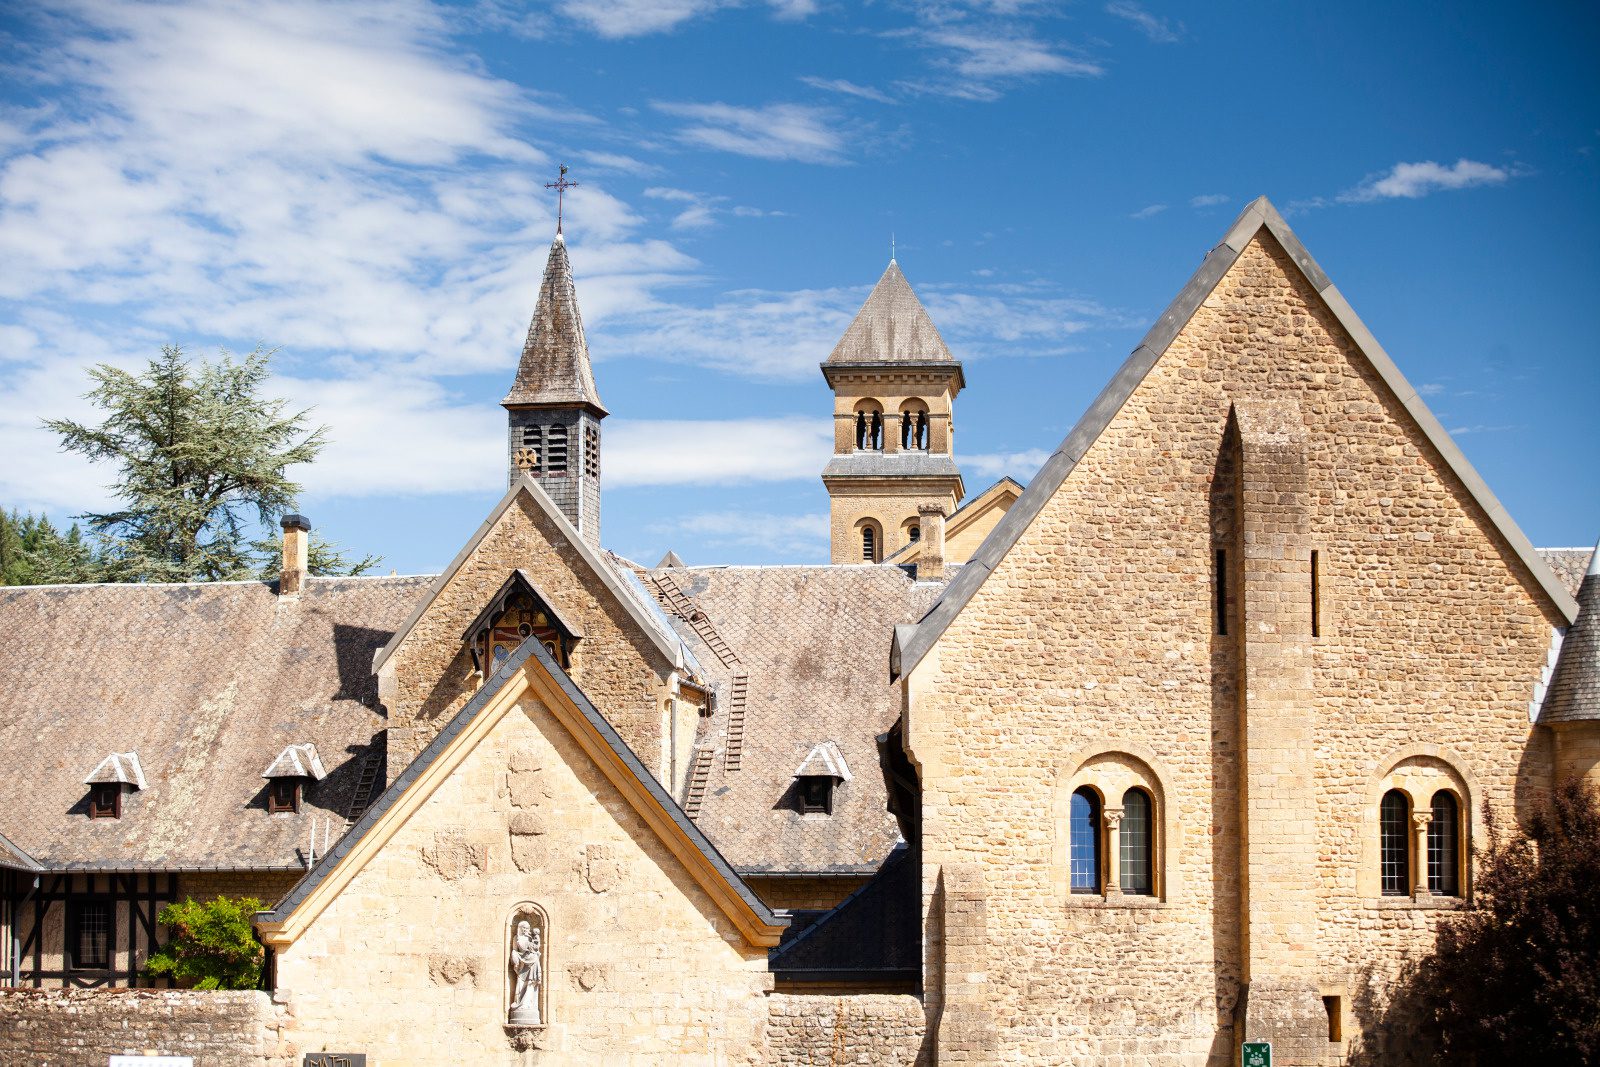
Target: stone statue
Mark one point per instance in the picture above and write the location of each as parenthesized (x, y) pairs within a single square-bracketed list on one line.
[(525, 963)]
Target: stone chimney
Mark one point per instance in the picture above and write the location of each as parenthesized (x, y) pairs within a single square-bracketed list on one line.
[(296, 554), (930, 548)]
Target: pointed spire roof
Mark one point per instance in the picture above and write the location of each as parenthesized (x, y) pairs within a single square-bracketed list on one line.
[(1575, 688), (892, 327), (555, 358)]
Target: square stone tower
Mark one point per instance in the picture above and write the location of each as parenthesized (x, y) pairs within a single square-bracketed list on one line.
[(554, 409), (894, 385)]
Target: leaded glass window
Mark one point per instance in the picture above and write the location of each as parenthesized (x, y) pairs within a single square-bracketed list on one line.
[(1084, 838), (1444, 846), (1394, 815), (1135, 843)]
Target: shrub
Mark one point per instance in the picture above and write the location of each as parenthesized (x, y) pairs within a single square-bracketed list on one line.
[(213, 945)]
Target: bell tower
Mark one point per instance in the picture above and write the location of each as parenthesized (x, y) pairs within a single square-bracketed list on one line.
[(553, 409), (894, 386)]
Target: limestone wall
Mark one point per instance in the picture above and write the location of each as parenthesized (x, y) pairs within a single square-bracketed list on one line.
[(827, 1031), (641, 966), (1097, 635), (84, 1027), (615, 663)]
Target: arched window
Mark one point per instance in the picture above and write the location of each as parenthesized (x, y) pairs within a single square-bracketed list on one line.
[(1084, 833), (1394, 817), (1444, 846), (1136, 843), (913, 531), (869, 425), (913, 426), (869, 543)]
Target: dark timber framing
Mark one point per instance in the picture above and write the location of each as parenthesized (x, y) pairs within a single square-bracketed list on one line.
[(134, 927)]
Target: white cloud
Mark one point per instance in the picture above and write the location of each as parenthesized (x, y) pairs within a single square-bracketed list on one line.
[(1019, 465), (1410, 181), (775, 131), (848, 88), (1157, 29), (1148, 212), (1208, 200), (636, 18), (989, 54), (709, 452)]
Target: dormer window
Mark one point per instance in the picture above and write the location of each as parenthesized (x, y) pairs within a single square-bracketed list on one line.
[(105, 801), (818, 776), (517, 612), (115, 775), (287, 775)]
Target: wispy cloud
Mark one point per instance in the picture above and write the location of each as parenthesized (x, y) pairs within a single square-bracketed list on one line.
[(710, 452), (1208, 200), (1411, 181), (775, 131), (1149, 212), (801, 537), (702, 209), (1019, 465), (848, 88), (1160, 30), (637, 18)]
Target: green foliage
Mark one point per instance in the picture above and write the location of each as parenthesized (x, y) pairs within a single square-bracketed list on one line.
[(200, 455), (323, 558), (213, 945), (1515, 977), (33, 552)]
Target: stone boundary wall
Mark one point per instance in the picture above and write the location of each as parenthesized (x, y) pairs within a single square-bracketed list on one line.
[(825, 1031), (85, 1027)]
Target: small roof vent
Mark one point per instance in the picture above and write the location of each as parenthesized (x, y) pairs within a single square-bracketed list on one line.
[(297, 761), (824, 761), (119, 768)]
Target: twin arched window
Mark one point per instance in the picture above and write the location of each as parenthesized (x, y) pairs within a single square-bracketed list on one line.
[(1443, 845), (869, 426), (1135, 831)]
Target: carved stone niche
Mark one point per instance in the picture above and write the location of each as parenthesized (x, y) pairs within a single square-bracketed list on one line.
[(527, 970)]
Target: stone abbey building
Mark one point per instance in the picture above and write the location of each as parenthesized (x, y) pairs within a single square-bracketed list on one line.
[(1187, 742)]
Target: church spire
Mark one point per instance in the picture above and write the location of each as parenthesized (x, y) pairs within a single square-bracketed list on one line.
[(553, 410), (555, 358)]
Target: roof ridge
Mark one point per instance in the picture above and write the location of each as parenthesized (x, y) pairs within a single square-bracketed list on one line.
[(911, 643)]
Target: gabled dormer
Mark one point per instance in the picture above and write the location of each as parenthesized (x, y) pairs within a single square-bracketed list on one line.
[(119, 773), (518, 611), (287, 776), (823, 770)]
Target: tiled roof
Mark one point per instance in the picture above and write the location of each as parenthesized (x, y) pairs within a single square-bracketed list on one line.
[(892, 326), (891, 464), (207, 683), (877, 930), (1568, 565), (554, 368), (797, 656), (1574, 693)]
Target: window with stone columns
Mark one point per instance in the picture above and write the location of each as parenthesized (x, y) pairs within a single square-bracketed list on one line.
[(869, 426), (1111, 830), (1415, 842)]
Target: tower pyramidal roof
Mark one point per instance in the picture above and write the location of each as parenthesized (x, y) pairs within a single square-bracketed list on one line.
[(1575, 688), (555, 358), (892, 326)]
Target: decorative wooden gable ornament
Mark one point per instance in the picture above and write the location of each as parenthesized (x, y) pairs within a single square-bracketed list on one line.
[(518, 611)]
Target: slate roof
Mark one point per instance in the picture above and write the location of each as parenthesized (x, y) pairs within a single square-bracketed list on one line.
[(912, 641), (1574, 693), (876, 931), (891, 464), (811, 644), (555, 358), (1568, 565), (207, 683), (892, 326)]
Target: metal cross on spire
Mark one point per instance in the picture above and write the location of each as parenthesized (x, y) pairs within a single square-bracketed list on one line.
[(560, 185)]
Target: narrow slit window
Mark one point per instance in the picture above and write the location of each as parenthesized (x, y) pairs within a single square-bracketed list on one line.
[(1334, 1006), (1444, 846), (1394, 815), (1219, 581), (1084, 841), (1316, 593), (869, 545)]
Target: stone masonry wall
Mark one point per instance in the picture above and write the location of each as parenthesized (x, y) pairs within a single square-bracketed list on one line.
[(84, 1027), (1097, 633), (884, 1030), (641, 967), (892, 504), (615, 663)]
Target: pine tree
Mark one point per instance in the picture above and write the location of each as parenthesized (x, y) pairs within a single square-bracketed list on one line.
[(33, 553), (201, 455)]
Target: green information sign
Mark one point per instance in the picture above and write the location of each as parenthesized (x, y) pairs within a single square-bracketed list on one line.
[(1256, 1054)]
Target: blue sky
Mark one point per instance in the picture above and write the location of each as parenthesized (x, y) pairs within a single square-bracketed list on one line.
[(362, 187)]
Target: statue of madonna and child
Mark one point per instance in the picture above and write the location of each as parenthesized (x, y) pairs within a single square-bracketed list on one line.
[(526, 953)]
